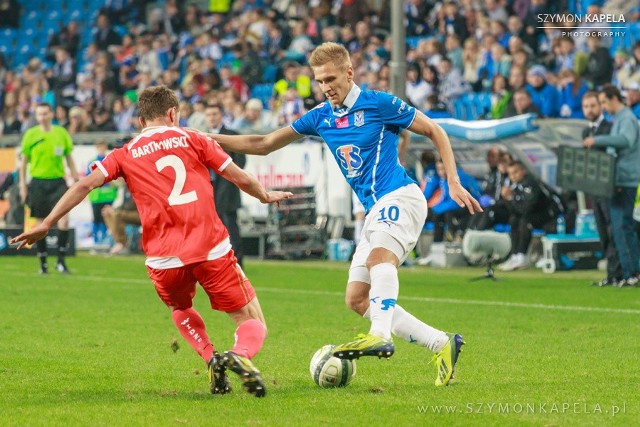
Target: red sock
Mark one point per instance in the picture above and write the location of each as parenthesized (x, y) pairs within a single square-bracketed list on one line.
[(192, 328), (250, 336)]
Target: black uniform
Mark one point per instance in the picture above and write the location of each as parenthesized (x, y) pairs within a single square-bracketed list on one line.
[(529, 208), (601, 206), (227, 199)]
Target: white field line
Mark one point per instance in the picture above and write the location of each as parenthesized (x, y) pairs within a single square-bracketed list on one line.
[(260, 289)]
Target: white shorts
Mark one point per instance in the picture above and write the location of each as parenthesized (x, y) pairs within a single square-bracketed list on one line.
[(356, 205), (400, 216)]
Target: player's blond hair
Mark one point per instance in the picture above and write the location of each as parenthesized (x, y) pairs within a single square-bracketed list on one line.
[(330, 52), (155, 101)]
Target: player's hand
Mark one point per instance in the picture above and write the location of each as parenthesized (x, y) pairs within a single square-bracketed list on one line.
[(276, 196), (30, 237), (463, 198)]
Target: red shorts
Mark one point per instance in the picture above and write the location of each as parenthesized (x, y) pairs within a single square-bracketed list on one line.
[(222, 279)]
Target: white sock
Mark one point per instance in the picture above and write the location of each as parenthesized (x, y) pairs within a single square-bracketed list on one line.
[(382, 298), (404, 325), (407, 327)]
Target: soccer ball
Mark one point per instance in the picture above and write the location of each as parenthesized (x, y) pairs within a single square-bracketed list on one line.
[(329, 371)]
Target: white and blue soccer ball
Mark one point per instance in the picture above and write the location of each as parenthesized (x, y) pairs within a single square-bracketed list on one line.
[(329, 371)]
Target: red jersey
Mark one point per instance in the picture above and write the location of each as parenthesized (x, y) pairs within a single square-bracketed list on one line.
[(166, 170)]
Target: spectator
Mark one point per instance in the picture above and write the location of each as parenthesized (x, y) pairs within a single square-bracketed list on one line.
[(599, 65), (501, 96), (417, 90), (68, 38), (293, 78), (102, 121), (451, 84), (445, 210), (117, 216), (105, 35), (529, 208), (451, 21), (471, 60), (543, 95), (572, 90), (522, 104), (63, 77), (9, 13), (598, 125), (226, 194), (254, 117), (291, 107), (62, 116), (494, 205), (436, 109), (630, 72), (454, 51), (78, 120), (126, 119), (633, 98), (100, 197), (351, 12), (625, 138)]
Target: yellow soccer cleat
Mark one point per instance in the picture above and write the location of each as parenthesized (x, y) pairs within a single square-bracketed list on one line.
[(446, 359), (217, 375), (248, 373), (365, 345)]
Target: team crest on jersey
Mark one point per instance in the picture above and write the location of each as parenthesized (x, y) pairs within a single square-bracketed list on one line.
[(358, 118), (350, 160)]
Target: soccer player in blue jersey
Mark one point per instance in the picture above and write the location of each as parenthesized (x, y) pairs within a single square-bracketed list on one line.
[(361, 129)]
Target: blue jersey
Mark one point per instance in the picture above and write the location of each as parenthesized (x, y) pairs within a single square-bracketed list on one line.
[(363, 138)]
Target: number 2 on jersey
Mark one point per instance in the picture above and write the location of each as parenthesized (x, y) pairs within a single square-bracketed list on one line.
[(177, 197)]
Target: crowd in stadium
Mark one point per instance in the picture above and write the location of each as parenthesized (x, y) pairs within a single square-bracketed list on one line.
[(469, 59)]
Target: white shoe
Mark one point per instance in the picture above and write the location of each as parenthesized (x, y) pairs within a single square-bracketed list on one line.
[(507, 264), (521, 261), (541, 263)]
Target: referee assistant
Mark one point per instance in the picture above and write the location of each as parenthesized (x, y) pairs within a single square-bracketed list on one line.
[(43, 148)]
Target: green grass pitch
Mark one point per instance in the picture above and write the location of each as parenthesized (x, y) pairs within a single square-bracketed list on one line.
[(94, 348)]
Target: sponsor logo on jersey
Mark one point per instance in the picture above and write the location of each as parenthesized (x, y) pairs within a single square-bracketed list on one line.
[(342, 122), (358, 118), (349, 158)]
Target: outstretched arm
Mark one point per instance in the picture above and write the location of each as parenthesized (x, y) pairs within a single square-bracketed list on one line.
[(69, 200), (424, 126), (257, 144), (250, 185)]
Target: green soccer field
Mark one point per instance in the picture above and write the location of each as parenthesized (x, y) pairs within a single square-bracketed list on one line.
[(94, 348)]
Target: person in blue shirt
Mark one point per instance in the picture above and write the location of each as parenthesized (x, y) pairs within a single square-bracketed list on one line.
[(446, 210), (544, 96), (360, 128)]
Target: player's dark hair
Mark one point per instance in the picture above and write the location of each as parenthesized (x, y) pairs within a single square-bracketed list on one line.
[(155, 101), (611, 92)]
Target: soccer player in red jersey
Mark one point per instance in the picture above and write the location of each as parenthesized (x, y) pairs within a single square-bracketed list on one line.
[(166, 170)]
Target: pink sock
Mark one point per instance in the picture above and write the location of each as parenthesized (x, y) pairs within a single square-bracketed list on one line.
[(250, 336), (192, 328)]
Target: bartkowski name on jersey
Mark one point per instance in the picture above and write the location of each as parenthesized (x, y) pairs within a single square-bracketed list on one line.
[(153, 146)]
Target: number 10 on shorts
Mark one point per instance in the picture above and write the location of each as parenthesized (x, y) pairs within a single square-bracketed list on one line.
[(389, 213)]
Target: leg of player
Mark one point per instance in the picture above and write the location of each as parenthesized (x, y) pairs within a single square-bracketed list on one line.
[(250, 336), (383, 293), (63, 240)]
